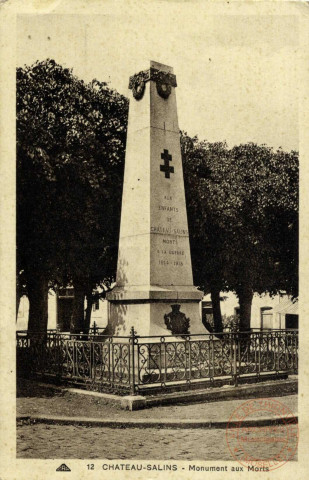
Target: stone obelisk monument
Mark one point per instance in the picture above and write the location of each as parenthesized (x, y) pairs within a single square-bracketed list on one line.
[(154, 290)]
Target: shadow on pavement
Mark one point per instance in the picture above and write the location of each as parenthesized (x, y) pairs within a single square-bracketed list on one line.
[(25, 388)]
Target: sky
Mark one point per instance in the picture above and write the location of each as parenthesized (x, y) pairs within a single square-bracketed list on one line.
[(236, 75)]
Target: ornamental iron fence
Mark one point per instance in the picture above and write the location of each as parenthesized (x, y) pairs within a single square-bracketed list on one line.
[(139, 364)]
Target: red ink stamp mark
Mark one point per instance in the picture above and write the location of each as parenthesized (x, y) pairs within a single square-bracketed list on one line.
[(270, 444)]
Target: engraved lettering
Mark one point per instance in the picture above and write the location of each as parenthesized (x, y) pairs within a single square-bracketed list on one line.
[(169, 231), (170, 242), (168, 208), (160, 230)]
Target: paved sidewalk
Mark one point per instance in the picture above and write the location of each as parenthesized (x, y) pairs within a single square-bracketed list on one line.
[(47, 405)]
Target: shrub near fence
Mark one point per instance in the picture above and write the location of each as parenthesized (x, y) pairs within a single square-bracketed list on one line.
[(138, 364)]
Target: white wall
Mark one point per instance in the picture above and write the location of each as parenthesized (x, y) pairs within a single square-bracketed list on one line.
[(23, 313), (231, 302), (52, 310), (98, 316)]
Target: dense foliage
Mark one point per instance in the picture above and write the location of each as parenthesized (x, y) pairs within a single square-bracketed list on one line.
[(243, 219), (70, 157)]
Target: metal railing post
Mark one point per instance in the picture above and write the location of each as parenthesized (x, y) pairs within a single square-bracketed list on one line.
[(74, 357), (277, 350), (259, 336), (91, 371), (163, 346), (132, 379), (59, 346), (188, 357), (212, 359), (236, 344), (295, 352), (110, 364)]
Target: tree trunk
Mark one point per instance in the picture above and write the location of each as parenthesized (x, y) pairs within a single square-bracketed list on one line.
[(216, 310), (77, 318), (38, 304), (245, 296)]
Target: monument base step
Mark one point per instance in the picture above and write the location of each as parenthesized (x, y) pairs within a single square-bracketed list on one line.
[(151, 383), (268, 387)]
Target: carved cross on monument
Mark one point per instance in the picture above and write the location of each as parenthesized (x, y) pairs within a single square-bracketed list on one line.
[(166, 168)]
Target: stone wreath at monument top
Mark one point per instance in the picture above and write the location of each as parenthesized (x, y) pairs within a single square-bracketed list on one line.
[(154, 290)]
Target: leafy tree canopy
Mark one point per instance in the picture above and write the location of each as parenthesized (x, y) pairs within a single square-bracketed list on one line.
[(243, 216), (70, 154), (70, 158)]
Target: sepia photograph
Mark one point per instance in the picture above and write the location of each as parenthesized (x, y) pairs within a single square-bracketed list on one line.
[(157, 239)]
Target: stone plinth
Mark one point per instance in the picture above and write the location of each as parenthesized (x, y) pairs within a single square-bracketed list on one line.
[(154, 268)]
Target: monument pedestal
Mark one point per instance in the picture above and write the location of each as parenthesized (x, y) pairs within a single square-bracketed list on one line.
[(146, 308), (154, 292)]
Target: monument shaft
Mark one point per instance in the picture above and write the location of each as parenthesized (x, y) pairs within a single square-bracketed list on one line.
[(154, 265)]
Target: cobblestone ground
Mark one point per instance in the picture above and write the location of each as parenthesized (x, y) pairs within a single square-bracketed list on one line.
[(58, 441)]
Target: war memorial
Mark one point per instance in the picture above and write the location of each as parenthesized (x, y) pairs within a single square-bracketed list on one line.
[(155, 340), (155, 292)]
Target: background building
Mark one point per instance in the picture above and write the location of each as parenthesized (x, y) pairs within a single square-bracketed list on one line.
[(267, 312)]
